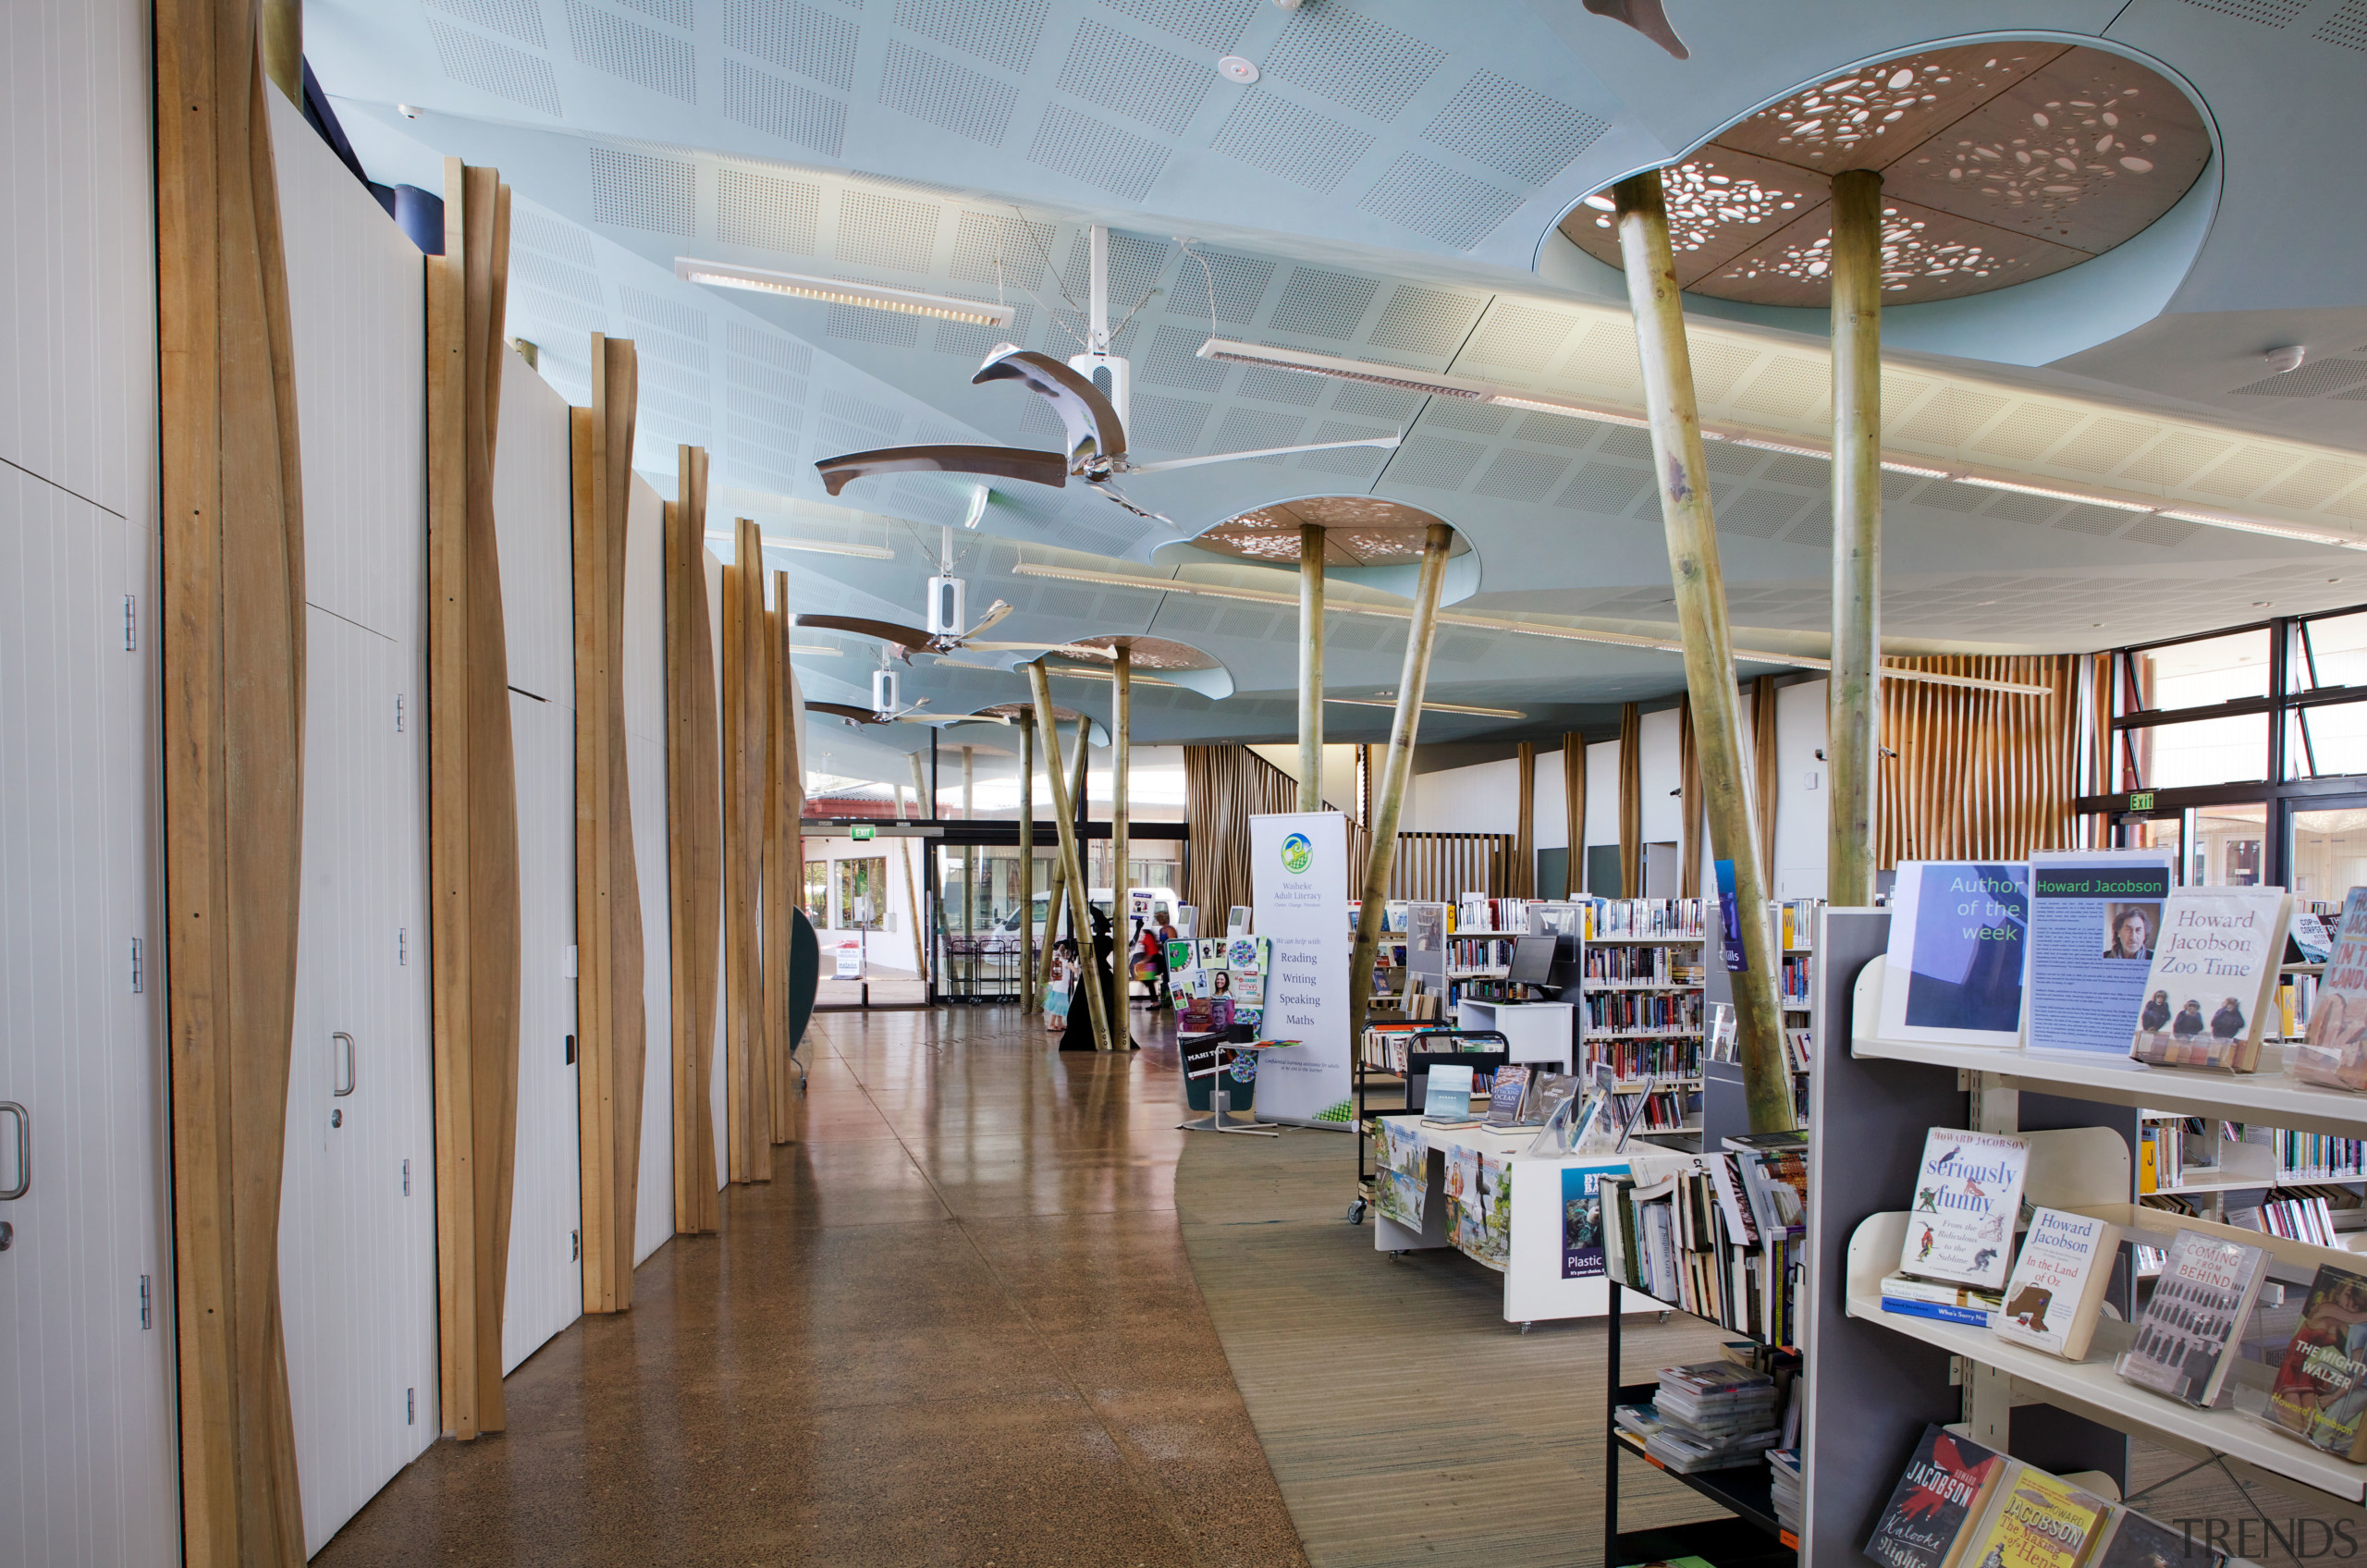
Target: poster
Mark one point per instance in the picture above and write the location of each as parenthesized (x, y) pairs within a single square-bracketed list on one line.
[(1730, 921), (1299, 882), (1958, 931), (1582, 1219), (2095, 915)]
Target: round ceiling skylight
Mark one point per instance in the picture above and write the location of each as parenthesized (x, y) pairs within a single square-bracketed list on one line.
[(1357, 530), (2000, 164)]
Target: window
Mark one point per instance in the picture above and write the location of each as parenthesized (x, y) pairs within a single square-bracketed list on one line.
[(817, 892), (862, 895), (2206, 751)]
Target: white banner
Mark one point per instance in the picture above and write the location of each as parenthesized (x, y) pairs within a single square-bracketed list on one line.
[(1299, 880)]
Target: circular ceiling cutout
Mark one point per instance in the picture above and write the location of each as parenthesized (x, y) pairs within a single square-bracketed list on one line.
[(1357, 530), (2000, 164), (1149, 653)]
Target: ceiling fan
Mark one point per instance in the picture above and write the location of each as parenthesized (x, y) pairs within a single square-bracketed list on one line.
[(1092, 419), (887, 709), (945, 634)]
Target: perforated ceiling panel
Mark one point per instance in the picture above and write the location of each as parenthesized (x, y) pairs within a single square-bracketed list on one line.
[(756, 209), (676, 12), (607, 41), (2347, 27), (2270, 13), (1002, 31), (1166, 424), (766, 103), (1512, 128), (1235, 286), (797, 37), (636, 190), (1140, 80), (1431, 199), (948, 96), (876, 230), (1211, 24), (521, 19), (1270, 132), (1316, 304), (854, 324), (1097, 152), (1429, 322), (991, 248), (1349, 59), (1520, 338), (474, 60)]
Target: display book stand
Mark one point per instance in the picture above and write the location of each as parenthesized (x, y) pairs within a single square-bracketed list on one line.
[(1875, 1379), (1220, 1099)]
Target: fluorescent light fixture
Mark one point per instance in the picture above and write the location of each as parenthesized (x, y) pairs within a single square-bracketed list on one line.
[(2273, 530), (838, 291), (1427, 708), (820, 547), (1105, 676), (2085, 497), (1337, 606), (1921, 471), (820, 650)]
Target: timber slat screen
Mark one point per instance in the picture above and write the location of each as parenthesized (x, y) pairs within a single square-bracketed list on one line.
[(1444, 866)]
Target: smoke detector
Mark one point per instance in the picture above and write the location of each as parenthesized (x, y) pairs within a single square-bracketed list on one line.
[(2285, 361), (1232, 67)]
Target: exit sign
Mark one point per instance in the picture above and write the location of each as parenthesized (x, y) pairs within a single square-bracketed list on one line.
[(863, 833), (2144, 801)]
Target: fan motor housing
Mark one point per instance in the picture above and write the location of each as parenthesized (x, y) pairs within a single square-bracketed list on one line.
[(945, 606), (883, 691)]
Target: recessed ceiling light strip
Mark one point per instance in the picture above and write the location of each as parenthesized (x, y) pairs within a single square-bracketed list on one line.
[(1233, 351), (838, 291), (821, 547), (1493, 623), (1428, 707)]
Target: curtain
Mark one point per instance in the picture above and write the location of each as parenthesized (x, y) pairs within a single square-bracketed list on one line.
[(1522, 883), (1631, 801), (1767, 775), (1979, 774), (1689, 841), (1223, 787), (1574, 804)]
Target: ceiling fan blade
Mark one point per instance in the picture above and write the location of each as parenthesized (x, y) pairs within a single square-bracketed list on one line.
[(1015, 647), (1088, 417), (886, 631), (1647, 17), (1001, 462), (842, 710), (995, 612), (1112, 493), (1385, 442)]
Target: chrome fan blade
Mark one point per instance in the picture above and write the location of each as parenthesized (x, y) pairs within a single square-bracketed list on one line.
[(1000, 462), (1085, 415), (1385, 442)]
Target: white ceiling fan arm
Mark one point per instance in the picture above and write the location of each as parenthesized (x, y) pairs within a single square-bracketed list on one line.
[(1386, 441)]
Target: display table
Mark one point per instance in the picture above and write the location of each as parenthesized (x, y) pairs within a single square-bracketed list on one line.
[(1529, 1251), (1542, 1033)]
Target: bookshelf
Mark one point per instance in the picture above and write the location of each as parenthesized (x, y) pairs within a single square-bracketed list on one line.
[(1640, 1002)]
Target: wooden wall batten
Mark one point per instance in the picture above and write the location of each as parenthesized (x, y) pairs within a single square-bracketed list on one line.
[(611, 1017), (784, 856), (747, 1092), (233, 704), (472, 801), (1690, 841), (694, 843), (1631, 805), (1574, 808), (1767, 773), (1979, 774), (1522, 881)]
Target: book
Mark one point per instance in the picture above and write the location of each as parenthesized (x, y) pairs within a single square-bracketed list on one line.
[(2036, 1521), (1958, 933), (2058, 1285), (1776, 1183), (1942, 1491), (2320, 1388), (2333, 1055), (2214, 978), (1504, 1098), (1967, 1194), (1448, 1096), (2094, 918), (2198, 1307), (2130, 1539), (1933, 1298)]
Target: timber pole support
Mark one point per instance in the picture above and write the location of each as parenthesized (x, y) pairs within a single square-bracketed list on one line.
[(1072, 869), (1683, 482), (1853, 720), (1398, 769), (1028, 1000), (1122, 719), (1310, 668)]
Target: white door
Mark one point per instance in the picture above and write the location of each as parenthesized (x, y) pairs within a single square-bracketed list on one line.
[(88, 1461), (357, 1229)]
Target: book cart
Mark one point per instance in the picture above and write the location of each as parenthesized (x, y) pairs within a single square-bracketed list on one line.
[(1875, 1379)]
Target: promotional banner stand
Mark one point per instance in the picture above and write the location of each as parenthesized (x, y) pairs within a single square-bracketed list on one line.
[(1299, 892)]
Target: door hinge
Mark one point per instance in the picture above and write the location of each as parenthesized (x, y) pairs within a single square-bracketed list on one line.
[(402, 946), (130, 623), (147, 1319), (575, 1246), (406, 1178), (138, 968), (571, 1051), (399, 713), (411, 1406)]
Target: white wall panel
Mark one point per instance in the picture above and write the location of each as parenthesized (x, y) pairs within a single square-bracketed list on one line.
[(1662, 813), (1802, 817), (357, 1235), (1483, 797), (87, 1459), (77, 294), (1603, 796), (645, 682), (1552, 819), (533, 513)]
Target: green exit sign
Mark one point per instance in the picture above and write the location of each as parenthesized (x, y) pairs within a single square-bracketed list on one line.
[(863, 833), (2142, 801)]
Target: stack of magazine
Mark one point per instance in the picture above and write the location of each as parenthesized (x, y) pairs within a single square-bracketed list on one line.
[(1784, 1486), (1714, 1415)]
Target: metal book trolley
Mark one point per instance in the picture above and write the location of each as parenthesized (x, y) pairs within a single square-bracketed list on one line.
[(1475, 1055)]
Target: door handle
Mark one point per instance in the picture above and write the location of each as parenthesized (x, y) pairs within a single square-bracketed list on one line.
[(24, 1151), (346, 1062)]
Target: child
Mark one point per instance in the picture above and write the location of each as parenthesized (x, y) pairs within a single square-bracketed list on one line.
[(1062, 988)]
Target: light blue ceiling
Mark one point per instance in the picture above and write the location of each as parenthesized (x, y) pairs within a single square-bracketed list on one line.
[(1385, 191)]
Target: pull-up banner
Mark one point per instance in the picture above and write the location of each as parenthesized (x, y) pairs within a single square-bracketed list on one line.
[(1299, 883)]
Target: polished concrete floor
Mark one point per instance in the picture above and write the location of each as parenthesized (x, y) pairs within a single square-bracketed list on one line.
[(957, 1328)]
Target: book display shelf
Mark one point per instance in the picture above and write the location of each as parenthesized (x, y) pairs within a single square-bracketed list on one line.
[(1640, 1004), (1875, 1379)]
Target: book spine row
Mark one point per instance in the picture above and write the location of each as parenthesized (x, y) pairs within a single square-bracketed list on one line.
[(1466, 953), (1685, 918), (1663, 1111), (2317, 1157), (2299, 1219), (1799, 1050), (1799, 922), (1629, 1012), (1491, 914), (1677, 1248), (1633, 1060), (1629, 965), (1794, 979)]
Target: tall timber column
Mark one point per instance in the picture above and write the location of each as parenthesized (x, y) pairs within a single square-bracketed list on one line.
[(1683, 482), (747, 742), (1399, 769), (1310, 668), (1852, 721), (1121, 688), (1072, 867), (1053, 906), (1027, 996)]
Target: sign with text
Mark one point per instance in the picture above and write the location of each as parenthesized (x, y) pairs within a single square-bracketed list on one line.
[(1299, 890)]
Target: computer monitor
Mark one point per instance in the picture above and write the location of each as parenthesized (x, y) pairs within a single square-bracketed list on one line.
[(1533, 960)]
